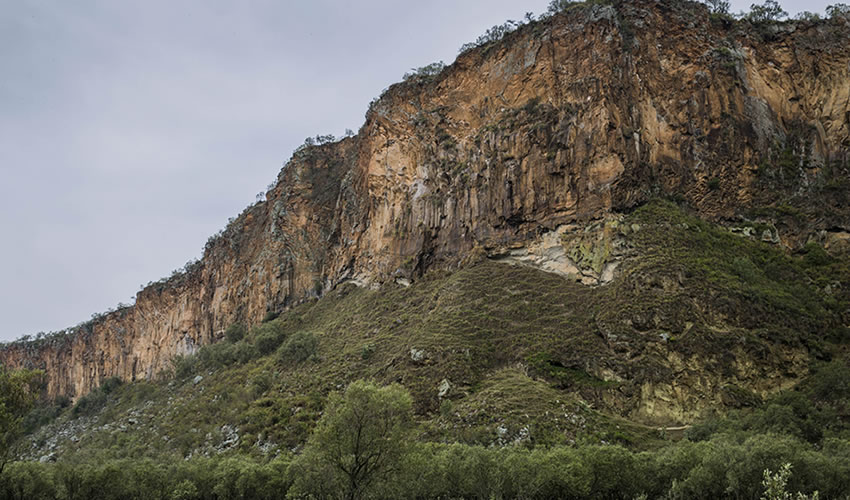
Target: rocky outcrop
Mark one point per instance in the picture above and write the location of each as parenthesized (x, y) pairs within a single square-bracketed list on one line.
[(564, 122)]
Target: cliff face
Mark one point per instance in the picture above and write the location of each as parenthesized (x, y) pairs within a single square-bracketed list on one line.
[(564, 122)]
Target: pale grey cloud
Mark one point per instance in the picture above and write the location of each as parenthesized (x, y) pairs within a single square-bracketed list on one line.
[(131, 131)]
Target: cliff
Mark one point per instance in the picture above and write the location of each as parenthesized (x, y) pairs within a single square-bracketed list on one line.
[(507, 153)]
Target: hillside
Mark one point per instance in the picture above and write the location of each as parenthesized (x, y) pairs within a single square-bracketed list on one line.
[(700, 322), (563, 122)]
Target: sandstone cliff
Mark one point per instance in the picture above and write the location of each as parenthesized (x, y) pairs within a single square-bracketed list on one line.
[(564, 122)]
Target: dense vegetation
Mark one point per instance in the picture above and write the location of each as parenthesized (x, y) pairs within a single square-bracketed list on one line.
[(503, 390), (364, 447)]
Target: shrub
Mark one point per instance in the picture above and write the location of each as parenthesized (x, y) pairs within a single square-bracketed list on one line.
[(299, 347), (714, 184), (720, 7), (425, 72), (839, 9), (260, 384), (186, 490), (807, 16), (769, 11), (556, 6), (28, 480), (110, 384), (184, 365), (268, 337), (225, 354), (234, 333), (492, 35), (44, 413), (367, 351), (90, 403)]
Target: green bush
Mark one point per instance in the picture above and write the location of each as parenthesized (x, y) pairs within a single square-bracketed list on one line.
[(234, 333), (224, 354), (769, 11), (44, 413), (260, 384), (185, 490), (28, 480), (110, 384), (268, 337), (90, 403), (184, 365), (367, 351), (299, 347)]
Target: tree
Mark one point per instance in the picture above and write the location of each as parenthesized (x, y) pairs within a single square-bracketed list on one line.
[(839, 9), (18, 392), (720, 7), (775, 485), (807, 16), (360, 441), (769, 11), (556, 6)]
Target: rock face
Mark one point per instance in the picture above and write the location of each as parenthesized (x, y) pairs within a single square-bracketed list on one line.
[(564, 122)]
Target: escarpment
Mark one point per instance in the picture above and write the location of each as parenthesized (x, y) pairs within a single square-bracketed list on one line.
[(561, 125)]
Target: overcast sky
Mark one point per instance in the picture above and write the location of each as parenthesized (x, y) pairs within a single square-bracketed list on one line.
[(131, 131)]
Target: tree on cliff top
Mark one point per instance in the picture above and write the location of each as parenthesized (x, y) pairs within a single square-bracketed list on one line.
[(769, 11), (18, 392)]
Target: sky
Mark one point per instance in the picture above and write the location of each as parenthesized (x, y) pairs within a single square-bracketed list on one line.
[(131, 130)]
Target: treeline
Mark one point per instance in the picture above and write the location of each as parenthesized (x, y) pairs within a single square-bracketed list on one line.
[(722, 467), (365, 446)]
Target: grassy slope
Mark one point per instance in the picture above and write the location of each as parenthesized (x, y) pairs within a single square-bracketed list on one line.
[(525, 352)]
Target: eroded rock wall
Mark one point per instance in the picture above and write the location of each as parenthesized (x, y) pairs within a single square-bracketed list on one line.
[(563, 122)]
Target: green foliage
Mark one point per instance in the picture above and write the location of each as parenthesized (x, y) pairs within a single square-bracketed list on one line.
[(234, 333), (89, 403), (714, 184), (109, 384), (520, 348), (807, 16), (236, 478), (185, 490), (753, 278), (18, 393), (493, 35), (830, 383), (775, 485), (718, 7), (838, 10), (260, 384), (564, 377), (769, 11), (556, 6), (184, 365), (299, 347), (224, 354), (425, 72), (367, 351), (43, 413), (27, 481), (815, 256), (807, 413), (359, 442), (268, 337)]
